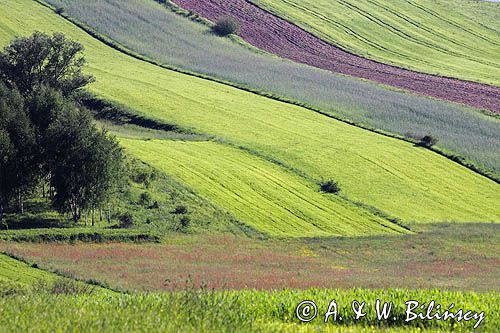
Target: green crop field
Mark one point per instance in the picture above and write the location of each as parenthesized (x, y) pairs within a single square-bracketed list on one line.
[(428, 36), (411, 183), (271, 200)]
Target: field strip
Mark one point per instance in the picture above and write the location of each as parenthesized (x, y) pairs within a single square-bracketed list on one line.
[(259, 193), (275, 35), (427, 188)]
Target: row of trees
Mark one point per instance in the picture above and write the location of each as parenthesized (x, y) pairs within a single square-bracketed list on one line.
[(47, 139)]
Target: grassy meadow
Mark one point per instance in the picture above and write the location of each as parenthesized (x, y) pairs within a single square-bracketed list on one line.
[(152, 30), (403, 181), (449, 257), (428, 36)]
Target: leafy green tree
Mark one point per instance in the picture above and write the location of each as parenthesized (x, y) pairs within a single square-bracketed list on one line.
[(44, 133), (41, 59), (106, 170), (86, 163), (5, 155), (18, 164)]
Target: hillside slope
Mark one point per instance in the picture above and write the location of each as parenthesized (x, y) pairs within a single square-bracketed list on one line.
[(271, 200), (276, 35), (428, 36), (411, 183), (151, 29)]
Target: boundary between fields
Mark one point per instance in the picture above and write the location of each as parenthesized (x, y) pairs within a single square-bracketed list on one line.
[(122, 49)]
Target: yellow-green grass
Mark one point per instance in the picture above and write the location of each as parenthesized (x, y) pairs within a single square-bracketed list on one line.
[(411, 183), (271, 200), (15, 272), (428, 36)]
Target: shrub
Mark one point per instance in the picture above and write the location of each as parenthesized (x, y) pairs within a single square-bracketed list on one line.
[(59, 10), (428, 141), (143, 178), (145, 199), (330, 186), (181, 210), (226, 26), (184, 222), (126, 220)]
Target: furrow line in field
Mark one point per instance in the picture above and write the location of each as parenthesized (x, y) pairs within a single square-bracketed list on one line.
[(352, 33), (276, 35), (435, 33), (459, 26), (398, 32)]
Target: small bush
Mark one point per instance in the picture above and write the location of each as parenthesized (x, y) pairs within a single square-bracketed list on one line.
[(185, 221), (145, 199), (226, 26), (181, 210), (428, 141), (143, 178), (330, 186), (126, 220), (59, 10)]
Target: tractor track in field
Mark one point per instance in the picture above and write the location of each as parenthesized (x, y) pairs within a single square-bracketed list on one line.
[(278, 36)]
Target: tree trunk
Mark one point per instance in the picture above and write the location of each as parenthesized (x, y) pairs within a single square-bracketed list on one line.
[(109, 214), (20, 204), (100, 214), (93, 216), (75, 213)]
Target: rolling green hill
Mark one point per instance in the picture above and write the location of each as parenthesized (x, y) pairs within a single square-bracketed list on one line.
[(427, 36), (411, 183), (271, 200)]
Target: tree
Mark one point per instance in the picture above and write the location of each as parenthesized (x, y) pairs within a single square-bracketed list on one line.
[(40, 59), (106, 170), (86, 163), (5, 155), (18, 164)]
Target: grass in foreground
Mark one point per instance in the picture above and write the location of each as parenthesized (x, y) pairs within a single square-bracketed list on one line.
[(233, 311), (428, 36), (448, 257), (411, 183), (148, 28)]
